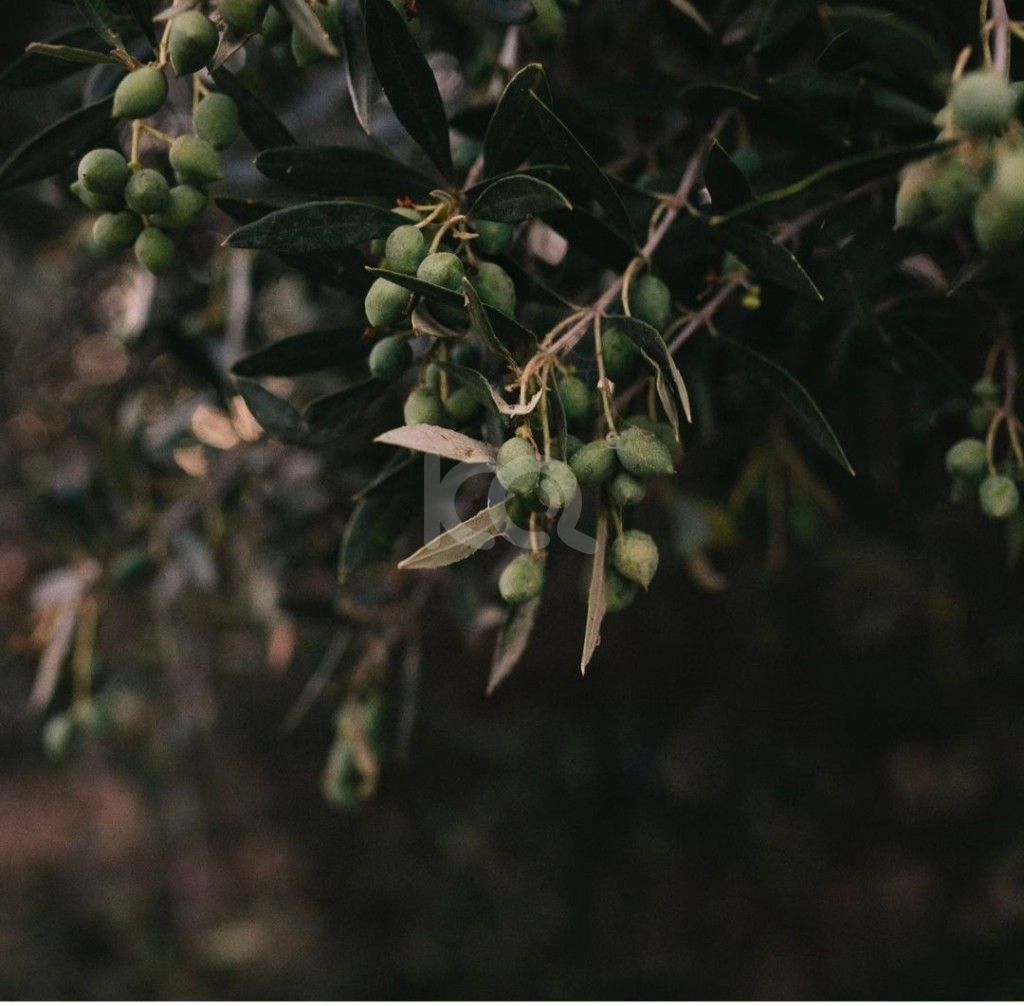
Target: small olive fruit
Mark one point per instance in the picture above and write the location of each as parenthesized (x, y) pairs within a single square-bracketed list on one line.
[(626, 490), (517, 467), (619, 353), (405, 249), (618, 591), (195, 162), (154, 249), (967, 459), (423, 406), (377, 245), (216, 121), (385, 302), (998, 497), (575, 398), (914, 206), (997, 224), (635, 556), (650, 300), (141, 94), (522, 579), (185, 205), (115, 232), (147, 192), (492, 238), (441, 269), (557, 486), (495, 288), (192, 42), (548, 27), (462, 406), (594, 463), (104, 172), (61, 735), (643, 454), (244, 16), (94, 201), (390, 358), (982, 102)]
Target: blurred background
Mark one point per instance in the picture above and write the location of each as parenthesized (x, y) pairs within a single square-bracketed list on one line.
[(805, 785)]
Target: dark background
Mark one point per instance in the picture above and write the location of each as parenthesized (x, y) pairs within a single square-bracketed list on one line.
[(808, 785)]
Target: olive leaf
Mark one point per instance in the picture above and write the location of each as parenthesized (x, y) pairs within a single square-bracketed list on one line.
[(481, 324), (305, 353), (438, 440), (779, 18), (408, 81), (516, 197), (766, 258), (793, 394), (652, 345), (585, 169), (142, 14), (316, 227), (592, 236), (460, 542), (327, 416), (280, 419), (597, 596), (260, 125), (476, 384), (728, 185), (71, 54), (103, 21), (308, 25), (341, 171), (513, 639), (512, 132), (375, 524), (35, 66), (58, 146)]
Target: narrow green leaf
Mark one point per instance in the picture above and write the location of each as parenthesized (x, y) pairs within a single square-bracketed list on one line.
[(58, 146), (375, 525), (305, 353), (280, 419), (515, 198), (103, 21), (142, 13), (330, 414), (460, 542), (408, 81), (341, 171), (34, 67), (358, 69), (652, 345), (592, 236), (513, 639), (782, 383), (766, 258), (481, 324), (588, 173), (474, 382), (308, 24), (260, 125), (316, 227), (512, 132), (597, 596), (728, 185), (72, 54)]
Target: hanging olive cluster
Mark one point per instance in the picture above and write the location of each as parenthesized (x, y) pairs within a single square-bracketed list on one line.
[(975, 471), (537, 480), (980, 178), (140, 208)]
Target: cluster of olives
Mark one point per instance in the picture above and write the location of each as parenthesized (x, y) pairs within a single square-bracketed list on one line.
[(996, 487), (981, 177), (139, 208)]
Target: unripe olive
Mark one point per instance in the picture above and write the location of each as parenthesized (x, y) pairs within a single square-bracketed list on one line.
[(998, 224), (423, 406), (914, 207), (641, 421), (405, 249), (276, 27), (141, 94), (575, 398), (517, 467), (618, 591), (244, 16), (492, 238), (185, 204), (216, 121), (441, 269), (635, 556), (572, 445), (986, 390), (522, 579), (466, 354), (967, 459), (147, 192), (982, 102), (557, 486), (980, 416), (342, 780), (61, 736), (385, 302), (548, 27), (192, 42), (154, 249), (495, 288), (390, 358), (115, 232), (650, 300), (94, 201), (462, 406), (194, 161), (619, 353), (377, 245), (594, 463), (998, 497), (643, 454), (626, 490), (104, 172)]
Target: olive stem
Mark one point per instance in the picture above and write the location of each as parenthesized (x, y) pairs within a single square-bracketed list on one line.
[(602, 383), (1001, 32)]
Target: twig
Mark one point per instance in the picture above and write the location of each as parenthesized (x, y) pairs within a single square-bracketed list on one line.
[(1001, 33)]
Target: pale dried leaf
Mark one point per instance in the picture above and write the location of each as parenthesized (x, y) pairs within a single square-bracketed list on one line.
[(460, 542), (438, 440), (512, 641), (597, 598)]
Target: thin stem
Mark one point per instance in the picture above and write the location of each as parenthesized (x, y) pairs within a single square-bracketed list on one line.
[(1001, 38), (602, 383)]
